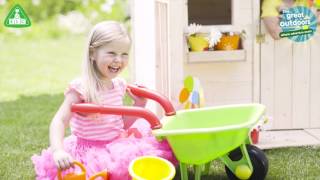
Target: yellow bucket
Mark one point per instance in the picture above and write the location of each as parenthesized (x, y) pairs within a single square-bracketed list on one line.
[(151, 168)]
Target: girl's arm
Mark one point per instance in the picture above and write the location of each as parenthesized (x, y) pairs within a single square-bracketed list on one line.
[(272, 25), (271, 16), (57, 128)]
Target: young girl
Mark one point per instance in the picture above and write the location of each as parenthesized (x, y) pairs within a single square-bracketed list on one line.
[(99, 141)]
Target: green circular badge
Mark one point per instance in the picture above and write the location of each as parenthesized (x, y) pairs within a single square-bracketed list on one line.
[(298, 23)]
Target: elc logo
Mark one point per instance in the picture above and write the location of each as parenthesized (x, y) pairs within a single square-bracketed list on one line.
[(17, 18), (298, 24)]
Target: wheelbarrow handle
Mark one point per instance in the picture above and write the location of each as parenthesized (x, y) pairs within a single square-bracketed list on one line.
[(118, 110), (151, 94)]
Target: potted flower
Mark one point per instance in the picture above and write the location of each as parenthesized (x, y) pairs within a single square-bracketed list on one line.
[(196, 40), (228, 41)]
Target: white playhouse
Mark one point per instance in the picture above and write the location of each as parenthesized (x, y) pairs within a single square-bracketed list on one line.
[(281, 74)]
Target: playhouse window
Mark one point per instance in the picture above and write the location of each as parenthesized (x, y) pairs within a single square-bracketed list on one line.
[(210, 12)]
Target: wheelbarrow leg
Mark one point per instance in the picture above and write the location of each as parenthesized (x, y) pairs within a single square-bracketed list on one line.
[(183, 171), (197, 175), (207, 168)]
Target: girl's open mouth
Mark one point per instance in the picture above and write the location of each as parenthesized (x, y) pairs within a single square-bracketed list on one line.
[(114, 69)]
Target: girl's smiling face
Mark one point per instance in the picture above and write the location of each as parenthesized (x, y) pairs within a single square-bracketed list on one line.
[(112, 58)]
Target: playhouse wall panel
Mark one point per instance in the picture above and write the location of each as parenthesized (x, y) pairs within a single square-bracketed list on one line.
[(267, 77), (177, 21), (223, 82), (283, 84), (244, 4), (255, 29), (242, 17), (314, 81), (220, 72), (162, 64), (290, 83), (301, 85), (219, 92)]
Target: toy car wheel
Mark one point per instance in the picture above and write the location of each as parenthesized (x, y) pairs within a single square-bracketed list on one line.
[(259, 162)]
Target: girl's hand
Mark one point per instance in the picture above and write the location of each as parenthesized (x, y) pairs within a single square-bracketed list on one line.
[(138, 101), (62, 159)]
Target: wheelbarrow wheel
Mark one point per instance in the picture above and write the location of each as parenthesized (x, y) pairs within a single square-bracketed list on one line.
[(258, 159)]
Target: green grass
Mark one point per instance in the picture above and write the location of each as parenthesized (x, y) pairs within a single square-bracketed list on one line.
[(34, 74), (33, 67), (285, 163)]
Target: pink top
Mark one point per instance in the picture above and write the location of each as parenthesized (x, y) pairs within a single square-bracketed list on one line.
[(99, 126)]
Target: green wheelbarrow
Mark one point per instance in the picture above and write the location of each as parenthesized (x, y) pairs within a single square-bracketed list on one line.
[(198, 136)]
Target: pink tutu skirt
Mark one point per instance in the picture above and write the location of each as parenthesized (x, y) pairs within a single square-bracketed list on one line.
[(96, 156)]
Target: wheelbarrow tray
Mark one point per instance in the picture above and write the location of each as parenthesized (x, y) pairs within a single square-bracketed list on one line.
[(198, 136)]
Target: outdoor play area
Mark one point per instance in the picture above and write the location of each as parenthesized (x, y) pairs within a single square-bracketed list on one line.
[(205, 102)]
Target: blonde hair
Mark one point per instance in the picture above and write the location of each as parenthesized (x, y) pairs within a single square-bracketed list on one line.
[(101, 34)]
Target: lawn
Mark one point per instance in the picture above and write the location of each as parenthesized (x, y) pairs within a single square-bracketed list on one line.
[(34, 74)]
